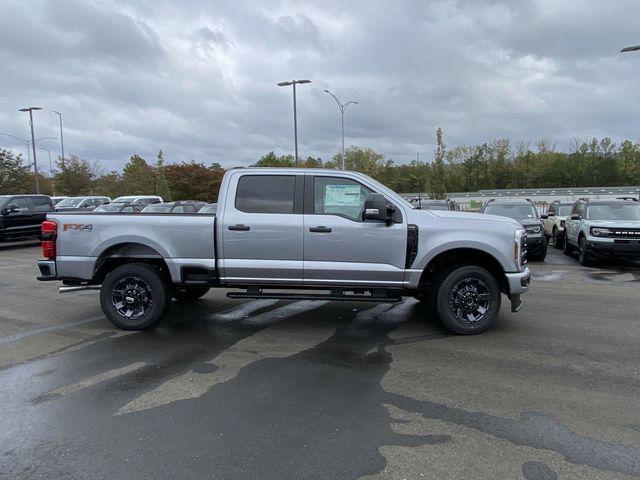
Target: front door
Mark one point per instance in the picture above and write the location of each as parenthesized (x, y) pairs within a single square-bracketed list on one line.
[(262, 229), (19, 221), (342, 249)]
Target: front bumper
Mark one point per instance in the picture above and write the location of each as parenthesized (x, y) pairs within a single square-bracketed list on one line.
[(518, 284), (47, 270), (614, 247), (535, 244)]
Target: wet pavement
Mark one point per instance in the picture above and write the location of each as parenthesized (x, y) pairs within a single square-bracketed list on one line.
[(237, 389)]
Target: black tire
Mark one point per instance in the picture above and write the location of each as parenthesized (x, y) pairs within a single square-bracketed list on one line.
[(139, 288), (558, 239), (189, 294), (475, 285), (584, 256), (567, 248)]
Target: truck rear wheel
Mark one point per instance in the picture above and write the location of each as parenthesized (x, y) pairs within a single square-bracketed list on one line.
[(468, 300), (135, 296), (189, 294)]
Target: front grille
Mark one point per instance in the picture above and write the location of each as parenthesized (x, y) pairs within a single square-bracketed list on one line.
[(625, 233)]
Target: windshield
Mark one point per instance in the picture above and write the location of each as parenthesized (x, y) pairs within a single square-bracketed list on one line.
[(517, 212), (69, 202), (123, 199), (111, 207), (157, 209), (3, 199), (391, 194), (618, 211), (564, 210)]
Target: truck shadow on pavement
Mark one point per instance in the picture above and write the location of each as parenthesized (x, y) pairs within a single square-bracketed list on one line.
[(319, 413)]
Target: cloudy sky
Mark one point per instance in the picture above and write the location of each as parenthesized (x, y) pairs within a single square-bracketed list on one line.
[(197, 79)]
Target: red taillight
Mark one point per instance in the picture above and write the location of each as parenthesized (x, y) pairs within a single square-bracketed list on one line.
[(49, 230)]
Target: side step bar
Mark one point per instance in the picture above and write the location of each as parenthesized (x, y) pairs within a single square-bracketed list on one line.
[(316, 296)]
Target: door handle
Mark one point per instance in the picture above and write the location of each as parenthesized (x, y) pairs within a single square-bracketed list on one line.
[(320, 229), (240, 228)]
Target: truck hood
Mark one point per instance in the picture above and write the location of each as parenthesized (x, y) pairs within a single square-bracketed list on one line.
[(614, 223), (469, 216)]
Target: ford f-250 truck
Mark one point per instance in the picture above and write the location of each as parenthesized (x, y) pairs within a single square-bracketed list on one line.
[(293, 234)]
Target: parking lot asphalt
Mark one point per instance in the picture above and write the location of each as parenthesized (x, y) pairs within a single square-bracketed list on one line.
[(266, 389)]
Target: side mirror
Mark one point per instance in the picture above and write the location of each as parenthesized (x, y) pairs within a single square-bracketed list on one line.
[(544, 216), (377, 209), (575, 216)]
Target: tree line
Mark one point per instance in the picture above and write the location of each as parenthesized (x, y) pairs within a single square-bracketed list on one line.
[(498, 164)]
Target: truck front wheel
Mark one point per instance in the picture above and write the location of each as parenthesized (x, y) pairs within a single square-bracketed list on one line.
[(135, 296), (468, 300)]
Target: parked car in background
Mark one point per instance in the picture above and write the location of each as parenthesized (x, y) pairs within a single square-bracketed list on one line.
[(144, 199), (57, 199), (524, 211), (340, 233), (22, 215), (120, 207), (603, 229), (173, 207), (429, 204), (554, 221), (87, 203), (209, 208)]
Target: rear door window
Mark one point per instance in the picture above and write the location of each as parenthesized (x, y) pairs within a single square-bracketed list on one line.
[(266, 193), (41, 204)]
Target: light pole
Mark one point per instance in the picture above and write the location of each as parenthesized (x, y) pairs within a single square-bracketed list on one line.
[(634, 48), (295, 112), (33, 142), (61, 140), (342, 107)]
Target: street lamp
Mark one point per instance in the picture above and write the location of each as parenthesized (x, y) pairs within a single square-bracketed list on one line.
[(342, 107), (634, 48), (26, 142), (295, 113), (61, 140), (33, 142)]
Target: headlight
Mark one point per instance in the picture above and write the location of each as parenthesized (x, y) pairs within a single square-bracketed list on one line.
[(534, 229), (600, 232), (519, 253)]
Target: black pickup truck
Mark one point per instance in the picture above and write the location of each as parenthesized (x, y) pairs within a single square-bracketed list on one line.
[(22, 215)]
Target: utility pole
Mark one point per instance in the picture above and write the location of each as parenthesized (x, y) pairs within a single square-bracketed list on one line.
[(634, 48), (33, 142), (295, 112), (342, 107), (61, 139)]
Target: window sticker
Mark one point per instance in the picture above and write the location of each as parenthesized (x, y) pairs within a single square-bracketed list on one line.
[(342, 196)]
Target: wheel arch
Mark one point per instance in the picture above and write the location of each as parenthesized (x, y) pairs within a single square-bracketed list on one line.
[(457, 257), (127, 252)]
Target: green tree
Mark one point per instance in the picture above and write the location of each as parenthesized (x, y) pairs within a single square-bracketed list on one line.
[(162, 186), (14, 175), (437, 187), (74, 177), (109, 184), (138, 177)]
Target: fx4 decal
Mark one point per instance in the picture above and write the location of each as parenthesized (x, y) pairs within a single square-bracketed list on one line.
[(79, 227)]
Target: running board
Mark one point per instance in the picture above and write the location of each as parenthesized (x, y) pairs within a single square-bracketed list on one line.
[(316, 296)]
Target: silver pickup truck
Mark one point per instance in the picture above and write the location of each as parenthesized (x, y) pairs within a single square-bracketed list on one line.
[(292, 234)]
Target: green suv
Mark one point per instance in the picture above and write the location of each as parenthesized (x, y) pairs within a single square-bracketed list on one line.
[(603, 229)]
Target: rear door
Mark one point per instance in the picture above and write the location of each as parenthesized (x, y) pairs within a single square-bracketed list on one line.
[(340, 248), (262, 229), (20, 221), (40, 207)]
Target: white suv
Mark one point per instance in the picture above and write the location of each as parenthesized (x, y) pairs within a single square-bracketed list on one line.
[(554, 221)]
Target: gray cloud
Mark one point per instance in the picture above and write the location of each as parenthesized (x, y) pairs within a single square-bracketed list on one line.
[(197, 78)]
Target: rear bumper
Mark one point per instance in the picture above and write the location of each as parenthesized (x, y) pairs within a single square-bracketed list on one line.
[(47, 270)]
